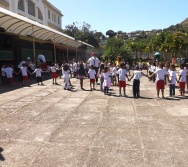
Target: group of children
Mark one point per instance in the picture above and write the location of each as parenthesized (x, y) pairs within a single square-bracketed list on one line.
[(160, 73), (164, 73)]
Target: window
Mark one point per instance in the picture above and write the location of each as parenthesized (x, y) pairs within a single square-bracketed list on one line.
[(58, 20), (31, 8), (48, 14), (40, 14), (54, 18), (21, 5)]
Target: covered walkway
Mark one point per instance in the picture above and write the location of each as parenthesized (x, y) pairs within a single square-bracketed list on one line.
[(18, 25)]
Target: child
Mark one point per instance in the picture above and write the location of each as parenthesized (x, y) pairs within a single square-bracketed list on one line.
[(160, 75), (38, 74), (65, 73), (128, 68), (92, 73), (152, 69), (3, 74), (172, 80), (114, 72), (100, 75), (136, 82), (81, 73), (54, 74), (24, 71), (182, 79), (9, 71), (122, 80), (187, 75), (106, 83)]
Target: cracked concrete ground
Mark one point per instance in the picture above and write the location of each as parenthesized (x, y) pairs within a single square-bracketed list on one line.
[(47, 126)]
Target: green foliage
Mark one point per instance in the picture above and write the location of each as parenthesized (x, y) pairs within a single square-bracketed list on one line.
[(84, 33), (171, 42)]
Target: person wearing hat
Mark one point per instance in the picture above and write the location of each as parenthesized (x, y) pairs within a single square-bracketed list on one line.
[(93, 60)]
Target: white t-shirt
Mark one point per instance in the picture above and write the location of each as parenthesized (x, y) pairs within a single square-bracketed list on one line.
[(127, 66), (160, 74), (140, 65), (137, 74), (84, 64), (152, 68), (183, 75), (75, 67), (53, 69), (38, 72), (24, 71), (65, 73), (94, 61), (122, 73), (172, 75), (106, 75), (114, 71), (91, 73), (9, 72), (3, 71)]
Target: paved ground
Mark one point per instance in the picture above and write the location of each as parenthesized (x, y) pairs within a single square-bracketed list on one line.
[(46, 126)]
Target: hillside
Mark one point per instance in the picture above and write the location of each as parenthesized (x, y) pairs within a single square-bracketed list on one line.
[(185, 22)]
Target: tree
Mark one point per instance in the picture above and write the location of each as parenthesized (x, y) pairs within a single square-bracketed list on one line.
[(111, 33), (83, 33)]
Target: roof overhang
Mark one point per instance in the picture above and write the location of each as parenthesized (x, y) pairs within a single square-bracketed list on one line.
[(20, 25)]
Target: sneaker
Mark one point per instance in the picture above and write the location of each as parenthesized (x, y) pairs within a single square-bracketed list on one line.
[(120, 95), (125, 95), (157, 98)]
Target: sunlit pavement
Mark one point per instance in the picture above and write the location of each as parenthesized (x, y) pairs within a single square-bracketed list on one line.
[(47, 126)]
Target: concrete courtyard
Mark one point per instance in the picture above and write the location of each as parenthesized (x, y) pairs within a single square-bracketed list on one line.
[(47, 126)]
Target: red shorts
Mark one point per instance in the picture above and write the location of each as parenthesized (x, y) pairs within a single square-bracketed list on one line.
[(25, 78), (122, 84), (182, 85), (92, 80), (54, 75), (160, 84), (10, 80)]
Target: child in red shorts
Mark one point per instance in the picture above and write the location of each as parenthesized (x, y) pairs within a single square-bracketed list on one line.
[(182, 79), (92, 73), (54, 74), (160, 76), (122, 78), (24, 71)]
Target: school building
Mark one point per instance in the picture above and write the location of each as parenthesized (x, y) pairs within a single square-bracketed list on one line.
[(32, 27)]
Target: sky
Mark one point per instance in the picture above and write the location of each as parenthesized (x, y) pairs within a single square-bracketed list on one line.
[(123, 15)]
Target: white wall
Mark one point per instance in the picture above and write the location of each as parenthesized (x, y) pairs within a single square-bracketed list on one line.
[(38, 5)]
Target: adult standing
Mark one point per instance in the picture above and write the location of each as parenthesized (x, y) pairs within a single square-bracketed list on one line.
[(93, 60)]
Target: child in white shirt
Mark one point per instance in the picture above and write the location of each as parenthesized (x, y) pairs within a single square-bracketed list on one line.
[(172, 80), (114, 73), (3, 74), (136, 82), (106, 83), (24, 71), (54, 74), (92, 74), (65, 73), (182, 79), (9, 71), (38, 72), (122, 78)]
